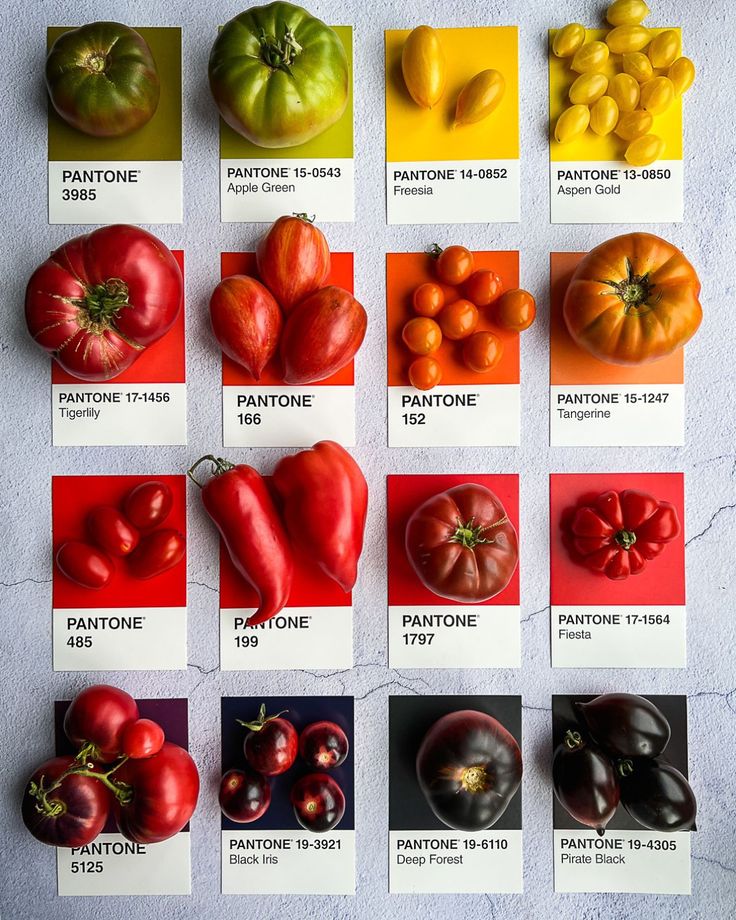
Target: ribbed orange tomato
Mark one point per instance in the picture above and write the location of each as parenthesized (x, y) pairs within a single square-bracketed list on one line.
[(633, 300)]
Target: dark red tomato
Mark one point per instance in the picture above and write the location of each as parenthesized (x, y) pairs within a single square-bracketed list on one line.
[(148, 504), (454, 264), (83, 564), (244, 795), (271, 745), (164, 788), (482, 287), (111, 530), (626, 725), (142, 738), (585, 782), (323, 745), (468, 768), (70, 815), (157, 553), (293, 260), (658, 796), (319, 803), (98, 716)]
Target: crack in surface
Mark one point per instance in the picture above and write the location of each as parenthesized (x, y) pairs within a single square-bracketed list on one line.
[(202, 584), (25, 581), (390, 683), (714, 862), (720, 694), (535, 613), (710, 523)]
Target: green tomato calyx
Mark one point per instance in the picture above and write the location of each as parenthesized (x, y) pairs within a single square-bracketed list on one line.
[(470, 534), (279, 54), (96, 62), (104, 301), (625, 539), (636, 292)]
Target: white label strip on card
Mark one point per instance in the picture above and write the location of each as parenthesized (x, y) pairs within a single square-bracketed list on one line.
[(298, 637), (634, 862), (115, 414), (112, 865), (619, 637), (613, 415), (453, 862), (454, 416), (263, 190), (138, 192), (453, 192), (287, 416), (288, 862), (120, 639), (480, 636), (609, 193)]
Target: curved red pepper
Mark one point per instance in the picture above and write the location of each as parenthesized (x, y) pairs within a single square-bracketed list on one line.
[(238, 501), (620, 531), (325, 498)]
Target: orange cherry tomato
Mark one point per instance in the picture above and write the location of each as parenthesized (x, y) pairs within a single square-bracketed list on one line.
[(482, 352), (422, 335), (459, 319), (428, 299), (454, 264), (425, 373), (516, 310), (482, 287)]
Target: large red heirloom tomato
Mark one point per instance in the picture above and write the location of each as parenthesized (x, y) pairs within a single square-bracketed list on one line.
[(99, 300), (633, 300)]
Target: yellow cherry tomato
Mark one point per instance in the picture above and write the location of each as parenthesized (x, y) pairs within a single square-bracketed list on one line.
[(424, 66), (627, 12), (625, 90), (625, 39), (568, 39), (644, 150), (682, 75), (590, 57), (634, 124), (638, 66), (603, 116), (572, 123), (479, 97), (664, 48), (588, 88), (657, 95)]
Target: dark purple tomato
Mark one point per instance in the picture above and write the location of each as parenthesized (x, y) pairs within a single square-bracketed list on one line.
[(71, 814), (469, 768), (244, 795), (271, 745), (319, 803), (323, 745), (626, 725), (658, 796), (585, 782)]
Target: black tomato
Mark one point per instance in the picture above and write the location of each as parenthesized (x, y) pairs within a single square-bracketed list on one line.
[(323, 745), (626, 725), (585, 782), (468, 768), (657, 796), (244, 795), (271, 745), (319, 803)]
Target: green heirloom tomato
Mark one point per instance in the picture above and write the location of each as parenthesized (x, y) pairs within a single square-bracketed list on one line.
[(102, 79), (279, 76)]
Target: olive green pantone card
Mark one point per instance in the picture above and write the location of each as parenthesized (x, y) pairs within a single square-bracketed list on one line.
[(136, 178)]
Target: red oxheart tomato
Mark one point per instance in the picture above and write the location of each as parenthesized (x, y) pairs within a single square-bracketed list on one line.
[(99, 300), (148, 504), (271, 745), (462, 545), (246, 321), (322, 335), (157, 553), (165, 788), (84, 564), (142, 738), (244, 795), (293, 260), (97, 716), (319, 802), (111, 531), (71, 815)]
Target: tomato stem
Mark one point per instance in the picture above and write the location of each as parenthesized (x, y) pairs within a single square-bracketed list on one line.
[(635, 291), (625, 767), (52, 809), (279, 54), (573, 740), (257, 724), (219, 466), (470, 534), (474, 779), (104, 301), (435, 250), (625, 539)]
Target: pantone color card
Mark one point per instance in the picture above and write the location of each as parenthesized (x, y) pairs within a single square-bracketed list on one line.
[(452, 163), (99, 177), (617, 558)]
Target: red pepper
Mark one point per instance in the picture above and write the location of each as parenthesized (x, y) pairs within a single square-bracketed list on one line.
[(238, 501), (325, 498), (620, 531)]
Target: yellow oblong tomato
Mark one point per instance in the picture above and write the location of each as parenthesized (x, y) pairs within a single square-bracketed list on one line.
[(682, 75), (633, 300), (479, 97), (604, 116), (568, 39), (626, 39), (627, 12), (424, 66)]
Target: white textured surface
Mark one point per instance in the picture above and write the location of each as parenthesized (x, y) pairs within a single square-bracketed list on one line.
[(708, 236)]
